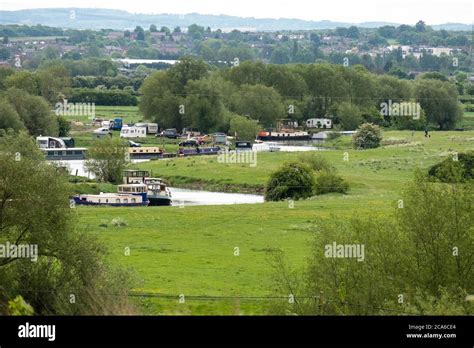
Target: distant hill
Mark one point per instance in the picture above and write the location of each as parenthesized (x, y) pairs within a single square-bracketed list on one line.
[(86, 18)]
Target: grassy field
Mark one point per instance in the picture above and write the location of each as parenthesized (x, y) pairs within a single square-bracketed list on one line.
[(190, 250)]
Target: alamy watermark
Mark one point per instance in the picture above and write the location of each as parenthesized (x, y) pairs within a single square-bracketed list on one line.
[(236, 157), (346, 251), (20, 251), (406, 109), (74, 109)]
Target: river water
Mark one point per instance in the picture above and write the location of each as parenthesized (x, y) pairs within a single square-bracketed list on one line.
[(197, 197)]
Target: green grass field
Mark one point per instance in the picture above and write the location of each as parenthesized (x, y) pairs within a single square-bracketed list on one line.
[(190, 251)]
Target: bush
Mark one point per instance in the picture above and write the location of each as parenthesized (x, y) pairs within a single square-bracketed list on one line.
[(293, 180), (328, 181), (315, 162), (452, 171), (407, 252), (368, 136)]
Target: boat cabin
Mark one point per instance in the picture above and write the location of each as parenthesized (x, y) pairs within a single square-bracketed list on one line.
[(134, 176)]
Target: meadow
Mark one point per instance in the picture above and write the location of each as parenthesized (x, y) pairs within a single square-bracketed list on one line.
[(191, 251)]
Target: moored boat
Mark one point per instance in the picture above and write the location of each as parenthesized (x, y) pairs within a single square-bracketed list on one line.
[(130, 195), (283, 136)]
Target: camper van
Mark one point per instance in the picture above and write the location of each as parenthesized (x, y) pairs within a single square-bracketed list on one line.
[(133, 132), (151, 128)]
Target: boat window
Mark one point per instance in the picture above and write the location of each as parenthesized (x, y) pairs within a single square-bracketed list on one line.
[(106, 201), (117, 200), (125, 200), (134, 200)]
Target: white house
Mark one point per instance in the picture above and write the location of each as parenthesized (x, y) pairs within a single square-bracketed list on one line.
[(325, 123), (133, 132)]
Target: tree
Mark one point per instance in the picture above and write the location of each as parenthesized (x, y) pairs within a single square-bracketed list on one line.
[(153, 28), (420, 27), (24, 80), (187, 69), (9, 117), (106, 159), (4, 53), (244, 128), (34, 112), (159, 104), (68, 260), (140, 33), (439, 101), (368, 136), (349, 116), (292, 181), (204, 108), (261, 103), (280, 55), (54, 82), (64, 126)]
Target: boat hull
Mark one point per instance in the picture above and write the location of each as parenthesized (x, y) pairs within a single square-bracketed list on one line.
[(159, 201), (281, 138), (78, 201)]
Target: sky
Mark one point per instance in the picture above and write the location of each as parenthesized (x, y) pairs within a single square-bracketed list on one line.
[(352, 11)]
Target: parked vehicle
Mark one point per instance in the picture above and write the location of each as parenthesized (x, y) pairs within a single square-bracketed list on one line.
[(101, 132), (116, 124), (151, 128), (243, 145), (220, 139), (171, 133), (133, 132)]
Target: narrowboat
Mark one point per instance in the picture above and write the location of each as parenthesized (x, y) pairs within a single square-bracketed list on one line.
[(283, 136), (132, 195)]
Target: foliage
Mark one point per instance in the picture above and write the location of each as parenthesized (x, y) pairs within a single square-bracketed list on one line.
[(454, 169), (18, 306), (68, 261), (246, 129), (368, 136), (328, 181), (416, 261), (106, 159), (315, 161), (103, 97), (34, 112), (292, 180)]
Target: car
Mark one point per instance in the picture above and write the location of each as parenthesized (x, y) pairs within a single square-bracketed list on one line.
[(133, 144), (169, 133), (189, 142)]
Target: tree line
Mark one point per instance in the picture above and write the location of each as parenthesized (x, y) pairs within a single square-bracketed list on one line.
[(192, 94)]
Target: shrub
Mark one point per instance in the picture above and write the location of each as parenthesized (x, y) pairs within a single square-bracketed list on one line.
[(328, 181), (315, 162), (452, 171), (368, 136), (293, 180)]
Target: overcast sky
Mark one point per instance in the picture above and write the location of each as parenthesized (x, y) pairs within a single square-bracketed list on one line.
[(353, 11)]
